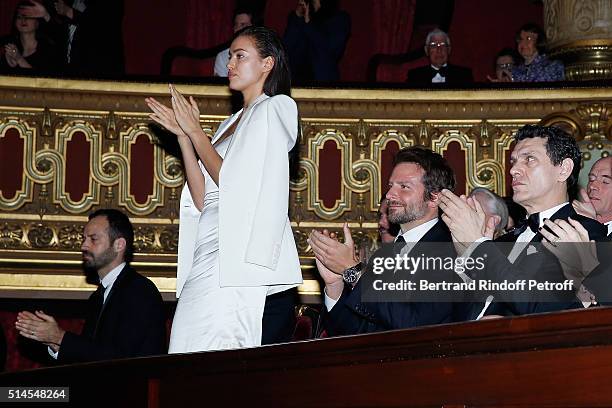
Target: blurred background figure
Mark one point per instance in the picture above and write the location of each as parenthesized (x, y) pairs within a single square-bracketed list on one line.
[(90, 31), (536, 67), (28, 48), (242, 18), (387, 231), (494, 207), (505, 61), (315, 39)]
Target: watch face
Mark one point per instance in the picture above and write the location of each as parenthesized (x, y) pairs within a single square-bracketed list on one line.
[(352, 274)]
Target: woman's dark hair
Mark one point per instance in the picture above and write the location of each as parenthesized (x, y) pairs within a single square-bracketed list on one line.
[(268, 44), (533, 28), (40, 34)]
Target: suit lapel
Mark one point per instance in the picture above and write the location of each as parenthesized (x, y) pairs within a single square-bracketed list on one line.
[(113, 290), (243, 122)]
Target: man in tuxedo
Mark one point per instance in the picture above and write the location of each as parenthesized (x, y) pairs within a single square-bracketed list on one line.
[(125, 314), (594, 268), (545, 166), (415, 183), (439, 71)]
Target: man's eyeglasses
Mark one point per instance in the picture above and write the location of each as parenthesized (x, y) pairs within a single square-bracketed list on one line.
[(435, 44), (508, 65)]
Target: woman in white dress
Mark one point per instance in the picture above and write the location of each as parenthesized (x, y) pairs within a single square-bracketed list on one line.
[(236, 247)]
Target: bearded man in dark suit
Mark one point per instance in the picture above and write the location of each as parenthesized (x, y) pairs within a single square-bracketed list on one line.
[(125, 314), (418, 177)]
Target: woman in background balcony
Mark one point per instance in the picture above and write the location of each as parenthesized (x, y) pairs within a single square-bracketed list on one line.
[(237, 254), (28, 48), (536, 67)]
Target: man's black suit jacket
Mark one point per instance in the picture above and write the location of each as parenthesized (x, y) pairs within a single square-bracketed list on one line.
[(351, 316), (540, 265), (455, 75), (131, 323)]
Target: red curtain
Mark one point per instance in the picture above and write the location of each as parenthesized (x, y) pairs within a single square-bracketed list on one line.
[(209, 23), (394, 20), (7, 8), (392, 26)]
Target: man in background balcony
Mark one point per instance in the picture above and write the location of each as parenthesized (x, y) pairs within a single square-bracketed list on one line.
[(125, 314), (242, 18), (439, 70)]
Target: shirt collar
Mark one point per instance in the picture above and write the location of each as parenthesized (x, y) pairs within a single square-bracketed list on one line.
[(437, 69), (550, 212), (111, 277), (416, 234), (609, 225)]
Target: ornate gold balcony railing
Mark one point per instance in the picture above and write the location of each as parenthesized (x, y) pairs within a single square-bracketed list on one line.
[(70, 147)]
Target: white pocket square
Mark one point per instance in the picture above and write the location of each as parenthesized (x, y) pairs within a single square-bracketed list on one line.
[(531, 250)]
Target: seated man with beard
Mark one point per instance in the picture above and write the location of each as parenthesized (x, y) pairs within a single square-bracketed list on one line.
[(418, 177), (125, 314)]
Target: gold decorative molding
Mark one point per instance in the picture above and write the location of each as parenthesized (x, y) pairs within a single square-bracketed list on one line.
[(40, 226), (580, 33)]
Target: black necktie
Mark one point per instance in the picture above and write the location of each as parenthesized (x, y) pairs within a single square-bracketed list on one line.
[(533, 222), (442, 71)]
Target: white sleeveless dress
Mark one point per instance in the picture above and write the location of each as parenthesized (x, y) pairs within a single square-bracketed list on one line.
[(210, 317)]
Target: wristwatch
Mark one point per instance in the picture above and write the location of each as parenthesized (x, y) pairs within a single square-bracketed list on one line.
[(352, 274)]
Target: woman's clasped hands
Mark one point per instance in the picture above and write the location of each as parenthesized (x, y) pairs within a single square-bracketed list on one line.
[(183, 119)]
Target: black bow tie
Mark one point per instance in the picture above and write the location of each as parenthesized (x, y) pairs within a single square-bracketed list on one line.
[(442, 71), (533, 222)]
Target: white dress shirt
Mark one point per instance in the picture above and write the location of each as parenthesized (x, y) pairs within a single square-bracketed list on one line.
[(438, 79), (411, 236)]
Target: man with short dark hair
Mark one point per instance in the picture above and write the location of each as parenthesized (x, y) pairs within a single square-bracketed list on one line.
[(439, 70), (545, 167), (418, 177), (125, 314)]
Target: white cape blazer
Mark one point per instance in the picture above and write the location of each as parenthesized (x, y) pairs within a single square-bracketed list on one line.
[(256, 244)]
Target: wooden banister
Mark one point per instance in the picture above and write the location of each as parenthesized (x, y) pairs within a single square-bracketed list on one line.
[(561, 359)]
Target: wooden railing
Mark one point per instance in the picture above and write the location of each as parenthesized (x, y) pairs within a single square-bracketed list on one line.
[(549, 360)]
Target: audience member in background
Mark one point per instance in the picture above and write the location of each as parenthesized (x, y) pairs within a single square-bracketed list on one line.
[(315, 38), (536, 67), (596, 201), (125, 315), (91, 32), (439, 70), (494, 207), (242, 18), (505, 61), (28, 48), (387, 231)]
